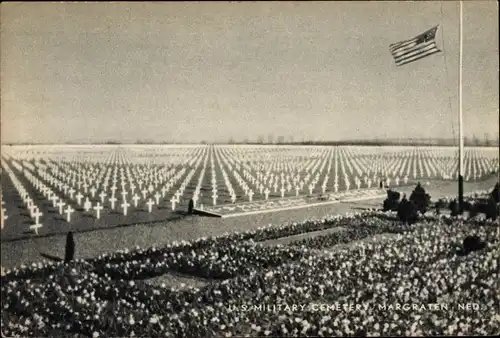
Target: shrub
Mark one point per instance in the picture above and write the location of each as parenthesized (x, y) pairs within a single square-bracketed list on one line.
[(190, 207), (453, 206), (392, 201), (420, 198), (407, 211), (491, 209), (472, 243), (495, 193), (70, 248)]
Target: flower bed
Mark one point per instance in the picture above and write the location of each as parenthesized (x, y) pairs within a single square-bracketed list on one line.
[(418, 266)]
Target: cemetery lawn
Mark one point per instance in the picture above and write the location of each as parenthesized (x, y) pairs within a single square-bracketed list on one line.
[(93, 243)]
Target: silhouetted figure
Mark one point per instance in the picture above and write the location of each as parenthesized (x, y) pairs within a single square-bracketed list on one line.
[(381, 184), (70, 248), (190, 207)]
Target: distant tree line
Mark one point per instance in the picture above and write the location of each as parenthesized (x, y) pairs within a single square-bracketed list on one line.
[(280, 140)]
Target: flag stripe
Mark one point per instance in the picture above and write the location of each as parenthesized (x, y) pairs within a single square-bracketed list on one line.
[(416, 48), (418, 56), (406, 46), (415, 52), (408, 51), (403, 44)]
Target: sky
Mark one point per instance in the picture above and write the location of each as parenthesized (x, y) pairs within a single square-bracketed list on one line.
[(214, 71)]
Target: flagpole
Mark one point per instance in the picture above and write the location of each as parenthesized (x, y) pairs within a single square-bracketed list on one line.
[(460, 119)]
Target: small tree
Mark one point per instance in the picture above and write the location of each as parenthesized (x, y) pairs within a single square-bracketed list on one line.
[(420, 198), (495, 193), (190, 207), (453, 206), (392, 201), (407, 211), (491, 209), (70, 248)]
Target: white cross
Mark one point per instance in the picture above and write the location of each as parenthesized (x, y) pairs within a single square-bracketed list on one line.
[(102, 195), (32, 208), (135, 199), (113, 189), (397, 180), (124, 194), (98, 209), (61, 204), (37, 215), (282, 192), (79, 197), (266, 192), (35, 227), (69, 210), (405, 179), (173, 200), (85, 186), (150, 205), (150, 188), (233, 198), (113, 201), (297, 190), (125, 206), (87, 205), (250, 195), (195, 199), (214, 199), (4, 217), (71, 192), (144, 192), (157, 197)]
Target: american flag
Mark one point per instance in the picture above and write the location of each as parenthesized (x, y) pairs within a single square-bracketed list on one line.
[(415, 49)]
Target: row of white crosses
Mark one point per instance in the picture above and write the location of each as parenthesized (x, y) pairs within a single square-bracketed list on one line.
[(57, 201), (197, 191), (288, 182), (3, 216), (30, 203), (243, 184), (153, 178)]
